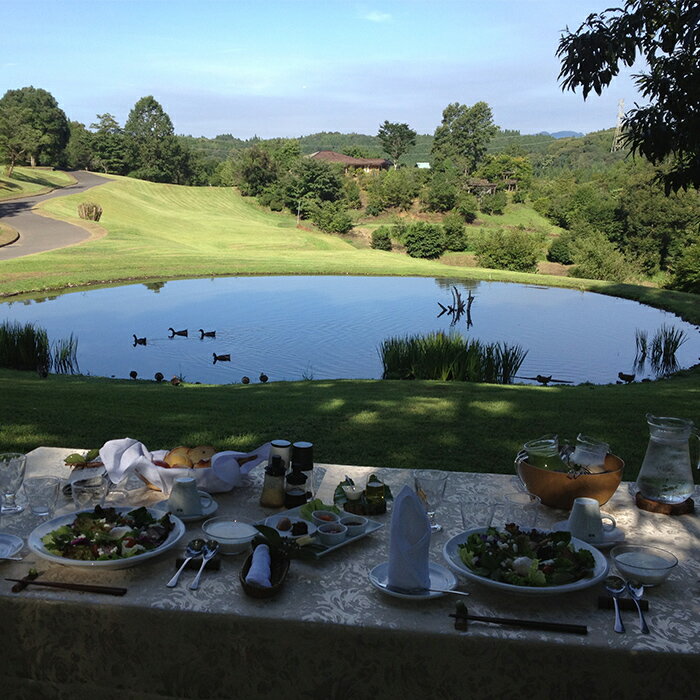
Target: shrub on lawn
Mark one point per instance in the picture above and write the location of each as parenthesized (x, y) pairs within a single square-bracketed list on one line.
[(508, 250), (453, 227), (381, 239), (89, 211), (332, 217), (494, 203), (423, 240)]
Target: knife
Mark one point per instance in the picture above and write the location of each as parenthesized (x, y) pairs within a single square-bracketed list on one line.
[(86, 587)]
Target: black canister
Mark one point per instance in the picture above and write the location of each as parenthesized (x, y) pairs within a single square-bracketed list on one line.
[(303, 456)]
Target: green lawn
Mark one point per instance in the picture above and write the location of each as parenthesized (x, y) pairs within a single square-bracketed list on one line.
[(27, 181), (463, 427)]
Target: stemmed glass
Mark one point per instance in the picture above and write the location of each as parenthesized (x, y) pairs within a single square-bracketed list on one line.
[(12, 467), (430, 487)]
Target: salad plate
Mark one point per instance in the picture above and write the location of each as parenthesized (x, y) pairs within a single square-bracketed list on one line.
[(35, 544), (440, 577), (451, 554)]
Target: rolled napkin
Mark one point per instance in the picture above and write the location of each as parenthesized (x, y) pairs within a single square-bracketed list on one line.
[(409, 543), (260, 572), (122, 456)]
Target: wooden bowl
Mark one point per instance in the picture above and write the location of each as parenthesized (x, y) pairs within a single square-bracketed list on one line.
[(279, 566), (560, 489)]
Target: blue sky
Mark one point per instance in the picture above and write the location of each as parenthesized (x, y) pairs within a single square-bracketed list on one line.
[(295, 67)]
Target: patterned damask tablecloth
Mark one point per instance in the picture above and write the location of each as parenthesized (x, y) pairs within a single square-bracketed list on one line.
[(329, 634)]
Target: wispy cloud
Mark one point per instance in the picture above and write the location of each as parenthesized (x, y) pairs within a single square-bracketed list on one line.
[(375, 16)]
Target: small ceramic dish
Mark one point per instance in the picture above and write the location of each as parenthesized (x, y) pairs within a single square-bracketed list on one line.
[(355, 524), (648, 565), (332, 533), (323, 517)]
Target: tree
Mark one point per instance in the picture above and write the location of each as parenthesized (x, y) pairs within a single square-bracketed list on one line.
[(109, 145), (463, 135), (32, 125), (79, 153), (665, 35), (396, 139), (255, 170)]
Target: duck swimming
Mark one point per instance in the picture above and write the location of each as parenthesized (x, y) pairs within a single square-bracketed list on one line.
[(206, 334), (139, 341), (221, 358), (173, 333)]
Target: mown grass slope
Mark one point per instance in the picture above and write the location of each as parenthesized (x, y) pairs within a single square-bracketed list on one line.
[(28, 181)]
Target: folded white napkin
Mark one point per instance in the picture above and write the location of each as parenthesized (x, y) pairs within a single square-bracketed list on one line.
[(260, 572), (409, 542), (122, 456)]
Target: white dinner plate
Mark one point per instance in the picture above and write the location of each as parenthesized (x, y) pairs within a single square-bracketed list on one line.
[(451, 553), (37, 546), (10, 545), (207, 510), (440, 577), (610, 537), (274, 519)]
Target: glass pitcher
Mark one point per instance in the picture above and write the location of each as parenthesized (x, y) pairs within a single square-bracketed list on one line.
[(666, 475)]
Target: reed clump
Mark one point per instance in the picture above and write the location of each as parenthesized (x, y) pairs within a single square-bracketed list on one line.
[(90, 211), (27, 347), (450, 357)]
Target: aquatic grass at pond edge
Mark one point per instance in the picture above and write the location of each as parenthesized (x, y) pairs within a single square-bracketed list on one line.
[(26, 347), (450, 357)]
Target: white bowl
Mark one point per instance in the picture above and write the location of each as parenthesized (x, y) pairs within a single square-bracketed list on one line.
[(324, 517), (233, 534), (332, 533), (648, 565), (354, 529)]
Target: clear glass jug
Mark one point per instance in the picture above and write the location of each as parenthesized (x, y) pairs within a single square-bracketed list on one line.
[(666, 475)]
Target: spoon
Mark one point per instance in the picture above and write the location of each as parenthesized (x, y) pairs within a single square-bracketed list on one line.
[(636, 591), (193, 551), (211, 547), (615, 586)]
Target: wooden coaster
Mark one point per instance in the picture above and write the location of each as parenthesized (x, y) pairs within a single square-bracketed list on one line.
[(688, 506)]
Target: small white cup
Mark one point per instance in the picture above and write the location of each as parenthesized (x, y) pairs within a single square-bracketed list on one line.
[(587, 522), (185, 500)]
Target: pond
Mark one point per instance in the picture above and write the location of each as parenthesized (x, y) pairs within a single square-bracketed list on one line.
[(293, 328)]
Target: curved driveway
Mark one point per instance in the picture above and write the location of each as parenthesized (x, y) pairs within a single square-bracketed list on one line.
[(40, 233)]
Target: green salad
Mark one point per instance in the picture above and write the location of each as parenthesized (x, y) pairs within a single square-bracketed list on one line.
[(526, 557), (106, 534)]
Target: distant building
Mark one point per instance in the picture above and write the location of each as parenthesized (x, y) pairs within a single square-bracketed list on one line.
[(423, 166), (479, 187), (348, 162)]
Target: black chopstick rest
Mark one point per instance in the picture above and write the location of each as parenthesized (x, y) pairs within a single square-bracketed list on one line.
[(605, 602)]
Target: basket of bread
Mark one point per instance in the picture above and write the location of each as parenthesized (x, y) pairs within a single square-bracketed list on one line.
[(214, 471)]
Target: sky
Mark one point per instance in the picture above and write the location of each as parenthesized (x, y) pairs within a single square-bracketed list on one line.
[(290, 68)]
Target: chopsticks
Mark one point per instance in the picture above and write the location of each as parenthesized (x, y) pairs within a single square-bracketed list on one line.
[(85, 587), (462, 617)]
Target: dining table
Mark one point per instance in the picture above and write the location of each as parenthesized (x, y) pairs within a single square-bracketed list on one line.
[(329, 633)]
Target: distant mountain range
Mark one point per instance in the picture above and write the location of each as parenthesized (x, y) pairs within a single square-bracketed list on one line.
[(561, 134)]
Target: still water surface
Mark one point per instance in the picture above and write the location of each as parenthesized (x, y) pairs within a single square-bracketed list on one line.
[(292, 328)]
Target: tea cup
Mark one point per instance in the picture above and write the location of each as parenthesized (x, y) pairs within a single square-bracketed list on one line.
[(185, 500), (587, 523)]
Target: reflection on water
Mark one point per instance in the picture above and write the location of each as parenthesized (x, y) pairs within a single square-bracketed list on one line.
[(292, 328)]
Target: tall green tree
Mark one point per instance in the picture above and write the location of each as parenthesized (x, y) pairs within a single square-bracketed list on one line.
[(109, 145), (396, 139), (665, 35), (79, 152), (32, 126), (463, 136)]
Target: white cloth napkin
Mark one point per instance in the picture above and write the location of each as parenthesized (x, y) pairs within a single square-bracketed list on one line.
[(120, 457), (260, 571), (409, 543)]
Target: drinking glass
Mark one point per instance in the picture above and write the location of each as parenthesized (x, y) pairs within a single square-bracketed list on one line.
[(89, 493), (12, 467), (317, 476), (519, 507), (430, 487), (41, 492)]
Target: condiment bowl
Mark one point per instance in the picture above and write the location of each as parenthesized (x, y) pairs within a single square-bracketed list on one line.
[(233, 534), (648, 565), (355, 524), (332, 533), (323, 517)]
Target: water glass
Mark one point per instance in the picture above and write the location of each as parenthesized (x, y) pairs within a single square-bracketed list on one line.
[(475, 513), (317, 476), (430, 487), (12, 467), (519, 507), (41, 492), (88, 493)]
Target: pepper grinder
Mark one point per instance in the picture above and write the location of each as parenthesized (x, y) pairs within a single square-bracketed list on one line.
[(296, 493)]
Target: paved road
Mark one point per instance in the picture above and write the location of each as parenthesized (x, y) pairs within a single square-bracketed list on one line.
[(39, 233)]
